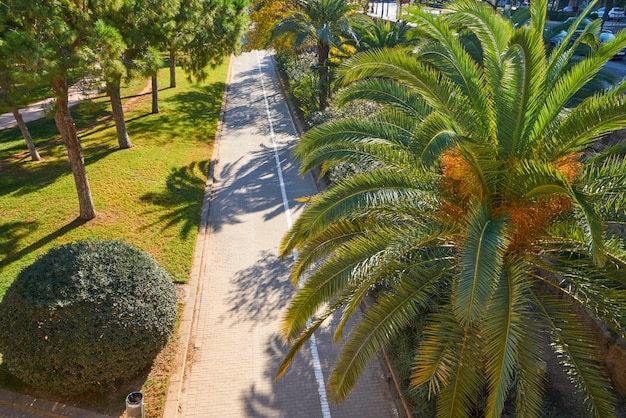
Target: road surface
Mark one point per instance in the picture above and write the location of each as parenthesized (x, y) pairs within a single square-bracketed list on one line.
[(244, 286)]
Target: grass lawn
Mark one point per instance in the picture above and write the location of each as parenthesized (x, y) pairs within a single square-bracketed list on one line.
[(149, 195)]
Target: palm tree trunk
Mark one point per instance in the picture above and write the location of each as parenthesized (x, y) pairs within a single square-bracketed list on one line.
[(605, 16), (172, 68), (65, 125), (155, 93), (322, 60), (113, 90), (34, 155)]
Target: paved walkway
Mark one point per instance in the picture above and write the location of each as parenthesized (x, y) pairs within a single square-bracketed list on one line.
[(242, 285), (38, 110)]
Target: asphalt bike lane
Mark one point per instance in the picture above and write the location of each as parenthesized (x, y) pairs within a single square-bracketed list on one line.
[(235, 348)]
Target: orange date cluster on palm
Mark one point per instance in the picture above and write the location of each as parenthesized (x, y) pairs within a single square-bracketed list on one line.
[(529, 216)]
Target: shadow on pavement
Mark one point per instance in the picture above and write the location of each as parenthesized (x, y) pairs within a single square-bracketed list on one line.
[(242, 187)]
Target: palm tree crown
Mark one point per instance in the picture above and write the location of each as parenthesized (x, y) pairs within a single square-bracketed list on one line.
[(484, 210), (327, 24), (383, 34)]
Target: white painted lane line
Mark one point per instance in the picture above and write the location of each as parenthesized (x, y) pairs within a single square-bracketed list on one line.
[(317, 366)]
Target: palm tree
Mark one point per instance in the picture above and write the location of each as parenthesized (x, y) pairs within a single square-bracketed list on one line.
[(327, 24), (383, 34), (484, 209)]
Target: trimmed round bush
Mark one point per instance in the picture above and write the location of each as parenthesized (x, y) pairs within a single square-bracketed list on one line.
[(85, 316)]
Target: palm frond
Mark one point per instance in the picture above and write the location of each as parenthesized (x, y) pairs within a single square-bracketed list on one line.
[(605, 184), (410, 253), (355, 194), (538, 15), (574, 344), (594, 226), (437, 92), (531, 179), (563, 53), (527, 53), (530, 368), (391, 313), (386, 92), (332, 277), (504, 330), (597, 290), (453, 61), (433, 136), (569, 83), (493, 32), (437, 353), (306, 335), (458, 398), (382, 139), (480, 264), (334, 236)]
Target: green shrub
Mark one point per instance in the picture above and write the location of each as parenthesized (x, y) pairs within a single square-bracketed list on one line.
[(85, 316), (302, 78)]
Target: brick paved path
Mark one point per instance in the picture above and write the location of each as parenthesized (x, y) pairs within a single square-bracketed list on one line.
[(243, 286)]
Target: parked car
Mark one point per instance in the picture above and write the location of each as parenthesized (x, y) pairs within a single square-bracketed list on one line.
[(616, 13), (600, 12), (571, 9), (604, 36), (607, 36)]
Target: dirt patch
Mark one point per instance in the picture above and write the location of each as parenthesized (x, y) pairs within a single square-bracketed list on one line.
[(139, 97)]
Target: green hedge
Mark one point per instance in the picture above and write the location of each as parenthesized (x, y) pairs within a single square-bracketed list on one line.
[(85, 316)]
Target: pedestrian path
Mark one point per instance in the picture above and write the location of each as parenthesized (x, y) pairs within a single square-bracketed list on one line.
[(243, 287), (38, 110)]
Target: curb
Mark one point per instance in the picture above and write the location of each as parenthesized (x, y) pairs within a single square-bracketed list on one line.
[(175, 385)]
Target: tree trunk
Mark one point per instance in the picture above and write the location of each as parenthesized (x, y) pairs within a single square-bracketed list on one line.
[(322, 60), (172, 68), (65, 125), (34, 155), (155, 93), (113, 90), (605, 17)]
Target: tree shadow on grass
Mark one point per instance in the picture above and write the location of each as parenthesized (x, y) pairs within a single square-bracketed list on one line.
[(26, 178), (18, 174), (194, 116), (12, 235), (39, 243), (22, 229), (181, 201), (199, 103)]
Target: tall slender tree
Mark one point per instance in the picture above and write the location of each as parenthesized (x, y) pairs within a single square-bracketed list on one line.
[(485, 210), (186, 19), (325, 23), (160, 24), (131, 29), (111, 47), (56, 40), (206, 32), (10, 93)]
